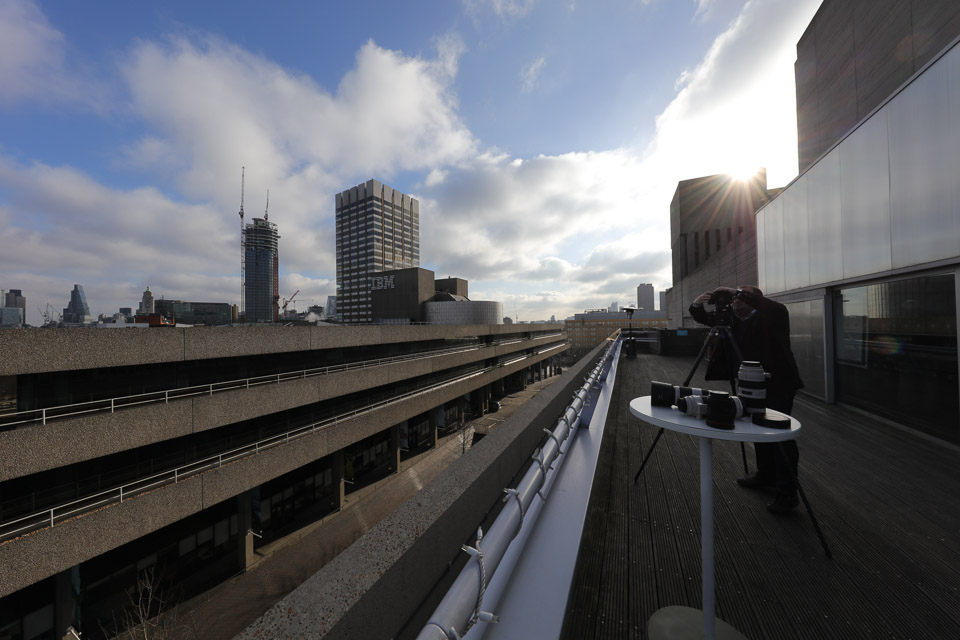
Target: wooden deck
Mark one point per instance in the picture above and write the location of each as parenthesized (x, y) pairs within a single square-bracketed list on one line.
[(887, 501)]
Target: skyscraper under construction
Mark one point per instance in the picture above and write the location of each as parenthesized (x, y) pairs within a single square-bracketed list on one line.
[(378, 229), (262, 263)]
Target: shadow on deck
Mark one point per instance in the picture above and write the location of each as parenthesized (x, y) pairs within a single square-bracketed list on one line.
[(887, 502)]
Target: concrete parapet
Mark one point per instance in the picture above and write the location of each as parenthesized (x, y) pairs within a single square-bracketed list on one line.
[(401, 559), (46, 552)]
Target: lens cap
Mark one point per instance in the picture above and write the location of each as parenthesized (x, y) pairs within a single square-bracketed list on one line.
[(771, 421)]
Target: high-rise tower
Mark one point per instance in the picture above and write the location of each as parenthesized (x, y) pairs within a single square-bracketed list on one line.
[(378, 229), (645, 297), (262, 264), (77, 311)]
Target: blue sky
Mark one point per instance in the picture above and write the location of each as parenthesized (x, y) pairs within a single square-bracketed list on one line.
[(543, 139)]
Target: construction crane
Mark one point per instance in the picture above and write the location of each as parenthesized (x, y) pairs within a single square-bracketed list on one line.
[(243, 257), (50, 316), (286, 301)]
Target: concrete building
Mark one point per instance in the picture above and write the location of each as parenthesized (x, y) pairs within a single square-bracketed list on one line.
[(645, 297), (378, 229), (330, 311), (864, 245), (227, 431), (262, 267), (663, 302), (713, 237), (147, 303), (77, 311), (413, 295)]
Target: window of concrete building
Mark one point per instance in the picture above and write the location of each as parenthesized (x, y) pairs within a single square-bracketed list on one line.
[(706, 244), (717, 234), (696, 249), (896, 352)]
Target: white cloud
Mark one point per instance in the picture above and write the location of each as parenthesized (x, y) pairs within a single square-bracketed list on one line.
[(33, 60), (530, 74), (503, 8)]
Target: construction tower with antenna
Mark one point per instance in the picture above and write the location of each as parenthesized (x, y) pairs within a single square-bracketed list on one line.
[(243, 244)]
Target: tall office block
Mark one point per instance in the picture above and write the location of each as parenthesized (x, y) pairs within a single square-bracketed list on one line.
[(262, 288), (77, 311), (645, 297), (663, 301), (378, 229)]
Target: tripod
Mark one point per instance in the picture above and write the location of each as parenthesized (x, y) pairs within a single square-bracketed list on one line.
[(720, 333)]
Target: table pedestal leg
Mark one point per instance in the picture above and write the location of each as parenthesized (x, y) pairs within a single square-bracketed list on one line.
[(672, 623)]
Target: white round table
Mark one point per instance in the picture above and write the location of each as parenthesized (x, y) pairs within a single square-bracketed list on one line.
[(686, 622)]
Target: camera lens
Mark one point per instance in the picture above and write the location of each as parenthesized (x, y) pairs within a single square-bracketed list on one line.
[(662, 394), (692, 405), (722, 410), (753, 386)]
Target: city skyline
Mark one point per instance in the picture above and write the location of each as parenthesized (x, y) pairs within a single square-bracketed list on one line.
[(544, 172)]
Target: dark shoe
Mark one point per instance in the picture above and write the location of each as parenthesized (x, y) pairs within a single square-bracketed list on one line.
[(783, 504), (757, 481)]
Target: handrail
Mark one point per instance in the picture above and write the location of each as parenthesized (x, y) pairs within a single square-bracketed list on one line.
[(60, 513), (462, 606), (112, 404)]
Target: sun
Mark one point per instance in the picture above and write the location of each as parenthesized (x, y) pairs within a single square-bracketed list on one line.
[(743, 171)]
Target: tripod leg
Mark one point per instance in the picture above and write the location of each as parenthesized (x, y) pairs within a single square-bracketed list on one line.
[(803, 497), (743, 452), (647, 457), (703, 351)]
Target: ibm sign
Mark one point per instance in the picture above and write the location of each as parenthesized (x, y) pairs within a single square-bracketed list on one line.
[(380, 283)]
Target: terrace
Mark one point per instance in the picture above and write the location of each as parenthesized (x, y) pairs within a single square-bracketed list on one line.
[(884, 497)]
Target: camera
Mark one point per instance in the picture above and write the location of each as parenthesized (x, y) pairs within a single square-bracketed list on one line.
[(721, 298), (667, 395)]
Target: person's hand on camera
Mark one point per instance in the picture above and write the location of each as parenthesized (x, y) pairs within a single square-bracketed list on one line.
[(704, 297)]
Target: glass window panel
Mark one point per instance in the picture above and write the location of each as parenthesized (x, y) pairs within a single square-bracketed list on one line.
[(896, 352)]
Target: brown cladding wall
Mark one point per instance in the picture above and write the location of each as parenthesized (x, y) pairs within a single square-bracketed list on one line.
[(855, 54)]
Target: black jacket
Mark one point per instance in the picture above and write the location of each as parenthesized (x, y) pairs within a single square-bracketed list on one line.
[(763, 337)]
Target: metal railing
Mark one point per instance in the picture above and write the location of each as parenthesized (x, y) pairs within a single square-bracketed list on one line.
[(67, 511), (31, 416), (462, 606)]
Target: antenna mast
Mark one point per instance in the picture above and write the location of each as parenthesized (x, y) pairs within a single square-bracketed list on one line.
[(243, 257), (266, 211)]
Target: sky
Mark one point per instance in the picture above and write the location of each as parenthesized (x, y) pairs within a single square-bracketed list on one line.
[(544, 140)]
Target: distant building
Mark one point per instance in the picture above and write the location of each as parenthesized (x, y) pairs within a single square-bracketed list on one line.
[(15, 299), (11, 317), (587, 330), (77, 311), (645, 297), (146, 303), (614, 307), (663, 302), (413, 295), (331, 312), (507, 320), (207, 313), (378, 229), (262, 287), (714, 238)]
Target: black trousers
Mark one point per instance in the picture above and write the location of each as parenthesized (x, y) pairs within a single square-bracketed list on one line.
[(779, 461)]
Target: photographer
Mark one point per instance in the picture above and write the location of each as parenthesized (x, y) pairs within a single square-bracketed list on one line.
[(761, 329)]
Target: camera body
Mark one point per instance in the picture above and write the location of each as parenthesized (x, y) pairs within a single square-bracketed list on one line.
[(721, 298)]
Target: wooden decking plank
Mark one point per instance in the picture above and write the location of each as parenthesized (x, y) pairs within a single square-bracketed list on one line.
[(884, 498)]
